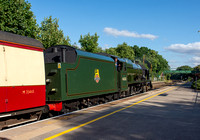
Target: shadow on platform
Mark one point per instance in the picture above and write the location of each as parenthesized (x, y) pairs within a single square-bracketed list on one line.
[(177, 119)]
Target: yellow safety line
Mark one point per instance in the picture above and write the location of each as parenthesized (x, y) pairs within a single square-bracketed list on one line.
[(81, 125)]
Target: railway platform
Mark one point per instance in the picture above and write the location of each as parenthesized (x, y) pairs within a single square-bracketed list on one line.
[(171, 112)]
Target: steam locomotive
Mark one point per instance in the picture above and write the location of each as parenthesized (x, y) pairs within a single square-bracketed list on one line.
[(35, 81)]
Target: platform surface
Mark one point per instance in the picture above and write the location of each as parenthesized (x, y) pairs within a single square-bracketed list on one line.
[(172, 112)]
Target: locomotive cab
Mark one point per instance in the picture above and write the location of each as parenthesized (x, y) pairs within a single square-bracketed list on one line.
[(121, 73)]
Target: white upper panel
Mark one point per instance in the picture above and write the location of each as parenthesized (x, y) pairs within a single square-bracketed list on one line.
[(3, 67), (21, 67)]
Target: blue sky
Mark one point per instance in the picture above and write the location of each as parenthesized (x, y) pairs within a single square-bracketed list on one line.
[(167, 26)]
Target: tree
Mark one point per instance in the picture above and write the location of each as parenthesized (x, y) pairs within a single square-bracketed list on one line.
[(100, 50), (197, 68), (111, 51), (163, 64), (89, 43), (122, 50), (16, 17), (50, 34), (186, 68), (152, 59), (196, 82), (138, 53), (125, 51), (147, 51)]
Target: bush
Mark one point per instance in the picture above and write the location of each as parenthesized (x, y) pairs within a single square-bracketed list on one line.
[(194, 84)]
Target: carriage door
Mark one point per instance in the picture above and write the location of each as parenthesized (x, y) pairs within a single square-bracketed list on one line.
[(3, 78)]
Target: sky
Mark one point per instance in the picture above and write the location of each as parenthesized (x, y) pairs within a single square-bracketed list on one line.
[(169, 27)]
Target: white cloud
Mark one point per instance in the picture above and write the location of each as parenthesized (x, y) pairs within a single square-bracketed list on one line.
[(190, 48), (126, 33), (196, 64), (195, 60), (185, 51)]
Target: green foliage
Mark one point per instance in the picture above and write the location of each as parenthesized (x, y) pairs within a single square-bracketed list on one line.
[(138, 53), (168, 76), (89, 43), (152, 59), (196, 84), (197, 68), (16, 17), (189, 79), (182, 76), (99, 49), (125, 51), (111, 51), (186, 68), (50, 34)]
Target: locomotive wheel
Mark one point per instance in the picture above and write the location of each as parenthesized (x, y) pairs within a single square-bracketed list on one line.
[(123, 94), (129, 91), (89, 104), (106, 100), (109, 97), (83, 104), (132, 90), (94, 100), (144, 89), (116, 96)]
